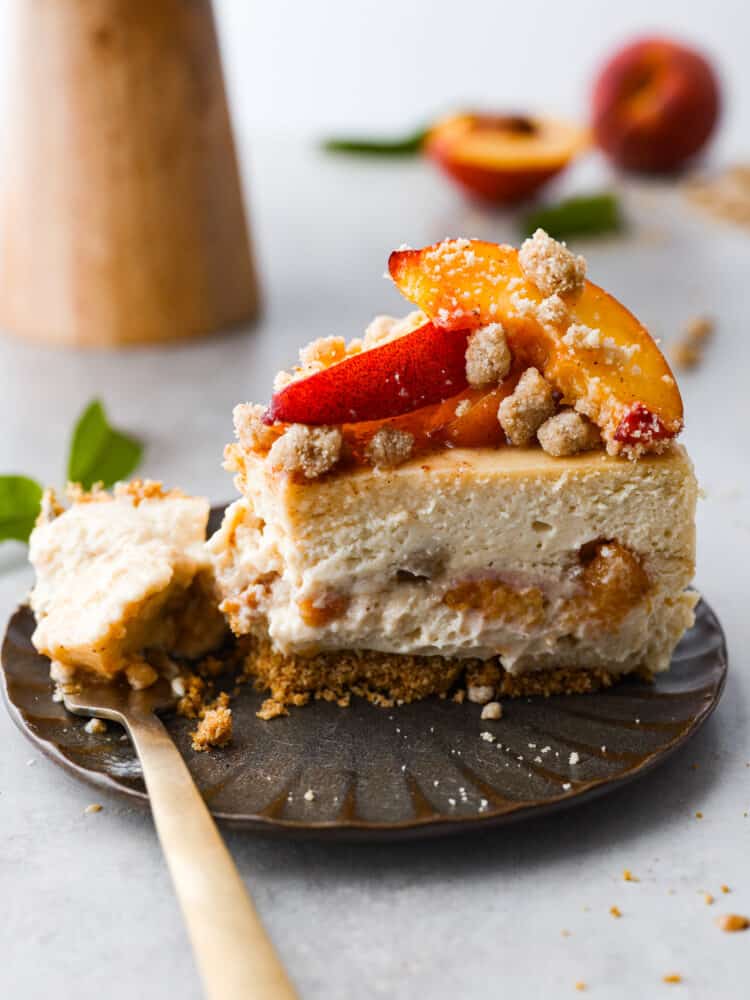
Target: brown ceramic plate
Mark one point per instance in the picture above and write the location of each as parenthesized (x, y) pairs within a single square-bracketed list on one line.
[(407, 772)]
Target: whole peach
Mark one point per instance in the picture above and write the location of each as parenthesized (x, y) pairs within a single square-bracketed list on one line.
[(655, 104)]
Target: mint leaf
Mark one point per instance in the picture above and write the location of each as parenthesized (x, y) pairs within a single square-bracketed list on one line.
[(98, 452), (20, 499), (583, 215), (405, 145)]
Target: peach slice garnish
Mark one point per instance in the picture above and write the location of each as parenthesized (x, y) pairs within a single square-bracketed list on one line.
[(423, 367), (624, 385), (503, 158)]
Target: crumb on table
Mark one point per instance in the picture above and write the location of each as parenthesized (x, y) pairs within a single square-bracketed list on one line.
[(732, 922)]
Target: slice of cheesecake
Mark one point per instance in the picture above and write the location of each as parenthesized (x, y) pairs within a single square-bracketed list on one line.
[(490, 488), (120, 578)]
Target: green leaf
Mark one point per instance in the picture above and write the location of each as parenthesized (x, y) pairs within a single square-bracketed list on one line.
[(584, 215), (20, 500), (405, 145), (98, 452)]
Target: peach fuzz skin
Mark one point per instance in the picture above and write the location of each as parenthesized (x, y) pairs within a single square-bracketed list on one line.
[(655, 105)]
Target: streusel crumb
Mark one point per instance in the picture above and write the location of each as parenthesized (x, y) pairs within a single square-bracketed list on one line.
[(214, 729), (488, 356), (383, 329), (687, 352), (386, 679), (312, 451), (323, 352), (138, 490), (550, 266), (252, 433), (567, 433), (523, 412), (50, 507), (389, 447)]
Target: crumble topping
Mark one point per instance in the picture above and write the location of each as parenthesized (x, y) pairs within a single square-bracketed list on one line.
[(323, 352), (725, 195), (567, 433), (463, 408), (550, 266), (95, 807), (530, 404), (50, 507), (389, 679), (687, 352), (383, 329), (313, 451), (95, 727), (215, 727), (251, 432), (389, 447), (488, 357)]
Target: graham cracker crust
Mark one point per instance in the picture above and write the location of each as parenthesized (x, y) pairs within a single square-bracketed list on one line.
[(387, 679)]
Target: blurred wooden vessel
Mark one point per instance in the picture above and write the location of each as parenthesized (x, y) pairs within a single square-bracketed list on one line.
[(121, 214)]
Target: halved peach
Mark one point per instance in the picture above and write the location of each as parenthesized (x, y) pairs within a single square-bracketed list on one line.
[(503, 158), (624, 385)]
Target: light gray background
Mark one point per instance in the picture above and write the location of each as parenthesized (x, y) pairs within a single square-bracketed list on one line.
[(88, 910)]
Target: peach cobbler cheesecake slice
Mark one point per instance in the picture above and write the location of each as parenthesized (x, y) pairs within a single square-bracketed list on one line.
[(489, 488), (121, 579)]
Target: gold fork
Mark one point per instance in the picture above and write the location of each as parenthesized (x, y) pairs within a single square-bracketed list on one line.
[(235, 956)]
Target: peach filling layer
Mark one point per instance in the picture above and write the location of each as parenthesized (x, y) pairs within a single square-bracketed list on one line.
[(610, 583)]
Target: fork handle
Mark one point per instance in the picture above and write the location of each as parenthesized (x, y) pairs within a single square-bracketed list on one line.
[(235, 956)]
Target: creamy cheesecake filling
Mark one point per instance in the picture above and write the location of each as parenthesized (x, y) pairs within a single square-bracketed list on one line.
[(598, 604), (122, 576)]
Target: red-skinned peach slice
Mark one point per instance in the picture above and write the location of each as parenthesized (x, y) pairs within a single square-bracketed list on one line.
[(469, 283), (425, 366), (503, 159)]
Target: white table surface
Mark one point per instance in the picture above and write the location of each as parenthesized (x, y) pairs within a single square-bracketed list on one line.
[(87, 905)]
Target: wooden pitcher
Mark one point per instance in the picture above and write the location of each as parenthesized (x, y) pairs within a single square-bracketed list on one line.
[(121, 215)]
